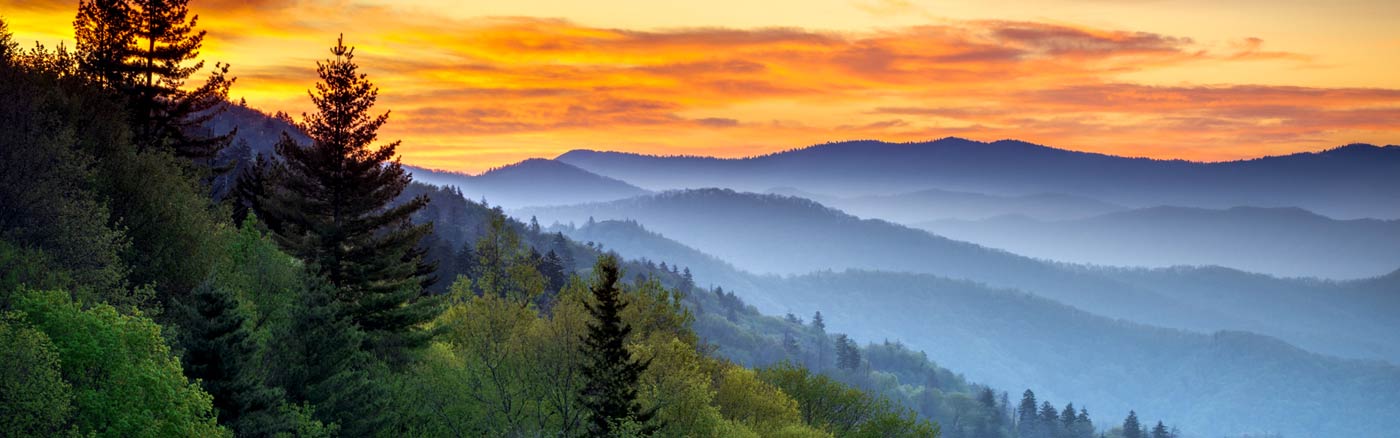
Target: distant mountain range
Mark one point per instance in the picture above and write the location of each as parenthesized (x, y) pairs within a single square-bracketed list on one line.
[(1353, 181), (793, 236), (1277, 241), (935, 204), (531, 182), (1213, 384)]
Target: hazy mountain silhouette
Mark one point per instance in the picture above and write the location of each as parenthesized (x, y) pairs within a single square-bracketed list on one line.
[(1212, 384), (1277, 241), (786, 235), (1347, 182), (935, 204), (535, 181)]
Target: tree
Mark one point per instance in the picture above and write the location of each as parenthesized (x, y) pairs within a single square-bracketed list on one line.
[(34, 398), (1049, 420), (1068, 418), (1131, 428), (790, 345), (847, 353), (687, 280), (323, 365), (610, 372), (1160, 431), (125, 380), (329, 203), (1083, 426), (146, 50), (1026, 415), (218, 353)]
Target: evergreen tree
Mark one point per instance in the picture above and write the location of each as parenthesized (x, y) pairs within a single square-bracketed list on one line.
[(322, 364), (1068, 418), (1160, 431), (1026, 415), (218, 353), (328, 203), (988, 399), (687, 280), (561, 247), (1049, 420), (552, 267), (1131, 428), (146, 50), (847, 353), (819, 323), (790, 346), (610, 372), (1083, 426)]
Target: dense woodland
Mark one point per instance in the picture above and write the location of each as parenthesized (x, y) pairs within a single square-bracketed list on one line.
[(158, 280)]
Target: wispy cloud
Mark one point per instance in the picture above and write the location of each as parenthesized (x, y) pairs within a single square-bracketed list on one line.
[(472, 93)]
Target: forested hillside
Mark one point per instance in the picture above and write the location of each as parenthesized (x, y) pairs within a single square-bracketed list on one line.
[(134, 305), (747, 229), (1285, 242), (1010, 337)]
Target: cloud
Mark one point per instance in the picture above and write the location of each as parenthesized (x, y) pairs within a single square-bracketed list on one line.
[(466, 93)]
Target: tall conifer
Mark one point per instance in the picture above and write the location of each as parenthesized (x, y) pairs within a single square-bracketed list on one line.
[(611, 373), (146, 51), (330, 204)]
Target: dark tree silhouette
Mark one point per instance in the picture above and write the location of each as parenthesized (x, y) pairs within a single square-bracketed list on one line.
[(611, 373), (329, 203), (1131, 427), (146, 50)]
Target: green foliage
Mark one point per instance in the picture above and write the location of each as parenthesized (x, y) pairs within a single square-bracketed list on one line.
[(125, 381), (842, 410), (220, 353), (321, 363), (328, 204), (47, 184), (610, 371), (34, 398)]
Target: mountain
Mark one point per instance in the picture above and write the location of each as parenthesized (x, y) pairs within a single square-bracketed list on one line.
[(1352, 181), (935, 204), (729, 327), (531, 182), (771, 234), (1222, 383), (1277, 241)]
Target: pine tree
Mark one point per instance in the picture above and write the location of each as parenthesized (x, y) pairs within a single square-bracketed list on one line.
[(1131, 428), (328, 203), (218, 351), (146, 50), (1068, 418), (610, 372), (552, 267), (988, 399), (1083, 426), (1027, 418), (847, 353), (1160, 431), (790, 346), (1049, 420), (819, 323), (321, 363), (687, 281)]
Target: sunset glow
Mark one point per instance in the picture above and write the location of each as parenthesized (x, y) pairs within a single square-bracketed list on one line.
[(473, 87)]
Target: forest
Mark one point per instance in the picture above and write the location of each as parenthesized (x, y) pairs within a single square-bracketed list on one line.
[(158, 279)]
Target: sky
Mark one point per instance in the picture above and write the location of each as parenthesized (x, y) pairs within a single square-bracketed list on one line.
[(475, 85)]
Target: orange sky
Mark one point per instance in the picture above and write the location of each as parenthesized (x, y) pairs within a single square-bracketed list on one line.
[(480, 85)]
